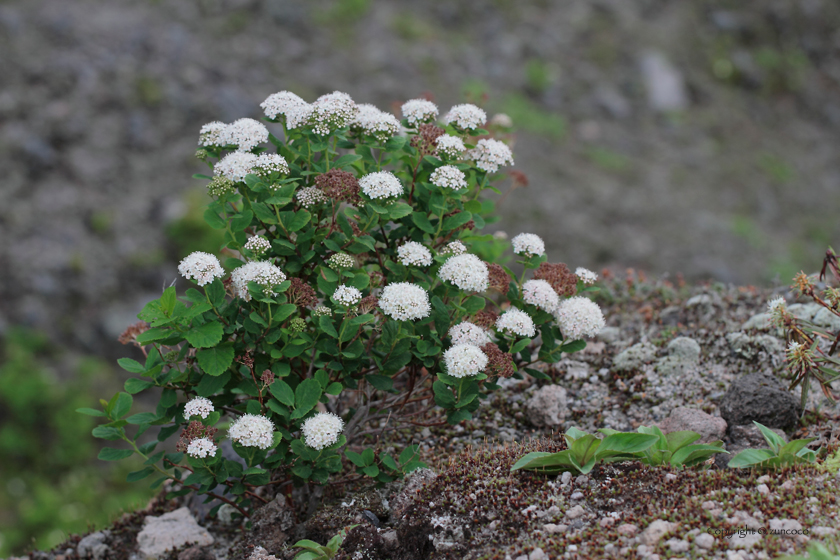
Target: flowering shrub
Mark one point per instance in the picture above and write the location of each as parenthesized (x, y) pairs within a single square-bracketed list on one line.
[(349, 300)]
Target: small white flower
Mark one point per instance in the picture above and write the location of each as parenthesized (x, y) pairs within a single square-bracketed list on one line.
[(198, 406), (468, 333), (211, 134), (201, 267), (500, 235), (263, 273), (347, 295), (332, 111), (252, 430), (270, 163), (464, 360), (245, 134), (489, 154), (337, 261), (468, 272), (201, 448), (541, 294), (586, 276), (418, 111), (310, 196), (454, 248), (528, 244), (776, 305), (322, 430), (466, 116), (450, 146), (236, 165), (381, 184), (579, 317), (793, 347), (258, 245), (286, 103), (404, 301), (449, 177), (379, 124), (414, 253), (322, 310), (515, 321)]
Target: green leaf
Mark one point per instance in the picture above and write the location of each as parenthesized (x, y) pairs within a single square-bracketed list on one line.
[(773, 439), (215, 292), (90, 412), (795, 446), (282, 392), (355, 458), (678, 440), (326, 324), (693, 454), (206, 335), (122, 405), (750, 457), (622, 443), (241, 221), (421, 220), (214, 220), (456, 221), (210, 385), (283, 312), (473, 304), (371, 471), (573, 346), (408, 454), (111, 454), (307, 394), (216, 360), (167, 300), (345, 161), (142, 418), (107, 432), (520, 345), (134, 385), (139, 475), (399, 210), (131, 366), (381, 382)]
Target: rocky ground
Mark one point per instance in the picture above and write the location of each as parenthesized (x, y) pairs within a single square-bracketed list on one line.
[(703, 358)]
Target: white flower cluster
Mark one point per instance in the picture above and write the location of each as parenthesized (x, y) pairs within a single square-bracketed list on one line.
[(270, 163), (528, 244), (454, 248), (541, 294), (466, 116), (381, 184), (450, 146), (251, 430), (201, 267), (468, 272), (332, 111), (404, 301), (579, 317), (347, 295), (200, 448), (258, 245), (289, 105), (236, 165), (418, 111), (468, 333), (585, 275), (337, 261), (449, 176), (322, 310), (198, 406), (776, 305), (310, 196), (322, 430), (263, 273), (211, 134), (515, 321), (414, 253), (464, 360), (379, 124), (245, 134), (489, 154)]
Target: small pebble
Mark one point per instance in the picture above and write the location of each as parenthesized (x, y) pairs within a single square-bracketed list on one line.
[(704, 541), (575, 512), (763, 479), (670, 476), (627, 529), (607, 522), (577, 496), (763, 489)]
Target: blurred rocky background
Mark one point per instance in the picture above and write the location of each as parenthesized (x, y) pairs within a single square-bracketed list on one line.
[(699, 137)]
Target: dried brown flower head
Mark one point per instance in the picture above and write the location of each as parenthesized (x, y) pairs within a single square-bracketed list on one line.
[(267, 377), (424, 142), (129, 335), (559, 276), (302, 294), (499, 279), (485, 319), (194, 430), (246, 359), (368, 304), (498, 363), (338, 184), (803, 283), (377, 279)]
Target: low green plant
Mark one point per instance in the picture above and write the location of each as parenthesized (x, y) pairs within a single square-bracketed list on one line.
[(780, 454), (314, 551), (675, 448), (816, 551), (586, 450)]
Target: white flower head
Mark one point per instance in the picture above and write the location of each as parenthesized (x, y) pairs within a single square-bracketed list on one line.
[(322, 310), (467, 271), (464, 360), (515, 321), (263, 273), (414, 253), (322, 430), (450, 146), (404, 301), (579, 317), (417, 111), (332, 111), (776, 305), (270, 163), (310, 196), (198, 406), (379, 124), (454, 248), (245, 134), (287, 104), (201, 448), (211, 134), (468, 333), (251, 430), (541, 294), (201, 267), (236, 165), (347, 295), (381, 184), (489, 154), (585, 275), (450, 177), (338, 261), (528, 244), (466, 116), (258, 245)]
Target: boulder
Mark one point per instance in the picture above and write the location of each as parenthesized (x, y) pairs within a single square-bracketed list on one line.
[(547, 407), (271, 525), (169, 531), (683, 354), (711, 428), (634, 357), (760, 398), (94, 546)]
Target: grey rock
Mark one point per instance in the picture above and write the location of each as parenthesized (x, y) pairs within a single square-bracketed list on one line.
[(684, 348), (711, 428), (760, 398), (664, 83), (656, 530), (704, 541), (94, 545), (271, 525), (677, 545), (547, 407), (634, 357), (804, 310), (413, 482), (575, 512), (609, 334), (761, 322), (171, 530), (537, 554), (827, 319)]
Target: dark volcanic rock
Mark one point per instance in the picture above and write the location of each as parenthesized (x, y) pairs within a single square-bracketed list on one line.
[(760, 398), (272, 525)]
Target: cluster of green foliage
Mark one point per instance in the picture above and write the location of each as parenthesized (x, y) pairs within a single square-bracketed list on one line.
[(314, 551), (780, 454)]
